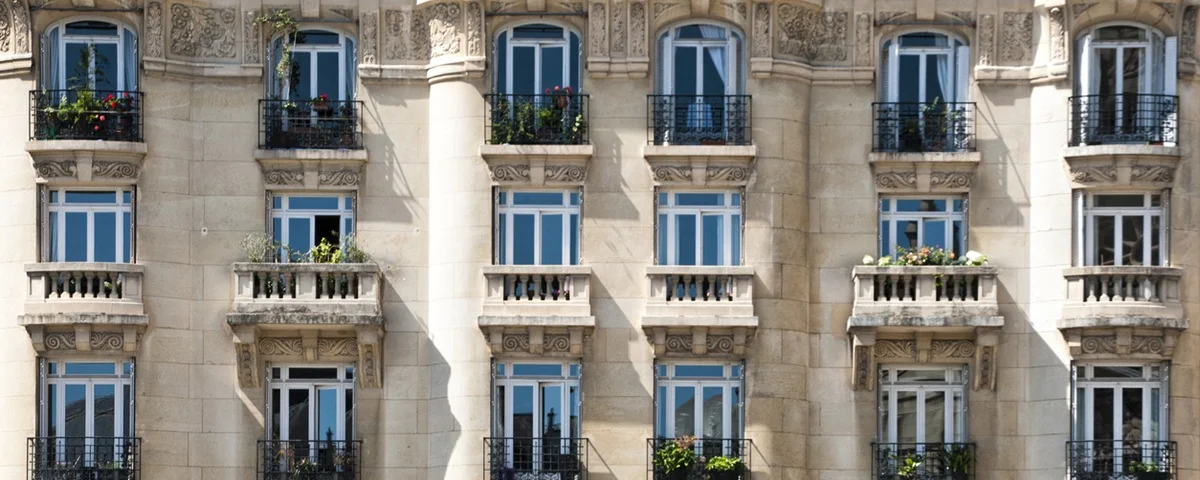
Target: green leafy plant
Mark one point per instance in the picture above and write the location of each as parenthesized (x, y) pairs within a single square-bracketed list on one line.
[(910, 465), (927, 256), (677, 454), (260, 248), (722, 464), (957, 459), (1142, 467), (280, 21)]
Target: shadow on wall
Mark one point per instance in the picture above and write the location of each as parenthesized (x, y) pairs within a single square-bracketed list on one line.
[(386, 157)]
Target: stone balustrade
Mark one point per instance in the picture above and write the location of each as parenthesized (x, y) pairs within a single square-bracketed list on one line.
[(1122, 311), (317, 288), (697, 311), (537, 309), (924, 296), (84, 307)]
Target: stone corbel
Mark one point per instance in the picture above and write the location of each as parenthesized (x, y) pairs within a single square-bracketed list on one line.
[(86, 161), (698, 341), (84, 338), (863, 360), (535, 340), (987, 341), (246, 348), (1122, 342), (370, 357)]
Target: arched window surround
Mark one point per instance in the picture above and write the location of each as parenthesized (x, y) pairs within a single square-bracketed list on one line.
[(953, 80), (730, 46), (1160, 49), (555, 61), (314, 48), (72, 34)]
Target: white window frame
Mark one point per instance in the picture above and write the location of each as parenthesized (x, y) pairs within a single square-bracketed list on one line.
[(285, 213), (538, 44), (285, 384), (60, 50), (893, 218), (957, 53), (506, 210), (61, 208), (312, 50), (1084, 390), (59, 381), (731, 42), (1090, 212), (1154, 46), (509, 380), (731, 380), (890, 386), (726, 212)]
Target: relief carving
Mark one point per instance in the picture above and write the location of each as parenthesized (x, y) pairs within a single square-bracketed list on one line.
[(862, 40), (339, 178), (1078, 9), (1153, 173), (1058, 36), (20, 26), (896, 349), (1093, 345), (679, 343), (811, 34), (516, 342), (60, 341), (400, 38), (727, 174), (5, 27), (203, 32), (280, 346), (885, 18), (474, 29), (510, 173), (987, 38), (573, 6), (661, 8), (719, 343), (557, 343), (107, 341), (251, 36), (1016, 44), (337, 347), (952, 349), (637, 29), (986, 367), (566, 173), (618, 28), (369, 25), (672, 173), (862, 367), (443, 29), (1187, 35), (951, 179), (1167, 8), (1146, 345), (368, 361), (283, 177), (114, 169), (1106, 173), (762, 30), (896, 180), (247, 365), (599, 30), (52, 169)]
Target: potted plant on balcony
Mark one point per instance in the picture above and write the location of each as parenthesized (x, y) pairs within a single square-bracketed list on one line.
[(724, 468), (674, 458), (1146, 471), (909, 466), (320, 103), (957, 460)]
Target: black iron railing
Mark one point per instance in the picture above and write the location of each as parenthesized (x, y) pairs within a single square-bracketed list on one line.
[(556, 118), (309, 460), (923, 461), (924, 127), (90, 458), (698, 119), (319, 124), (1119, 459), (85, 115), (535, 458), (1124, 118), (663, 458)]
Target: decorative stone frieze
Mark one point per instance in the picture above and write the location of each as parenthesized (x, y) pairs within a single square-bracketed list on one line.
[(202, 32), (944, 172), (986, 33), (1016, 38), (1058, 35), (701, 165), (1105, 166), (252, 47), (153, 36), (310, 169), (307, 312), (537, 310), (812, 35), (90, 308), (87, 161), (537, 164), (1121, 312), (925, 315), (700, 311)]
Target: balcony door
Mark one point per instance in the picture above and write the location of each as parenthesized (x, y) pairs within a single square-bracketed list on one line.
[(925, 78), (89, 55), (310, 414), (699, 70), (703, 401), (87, 413), (1125, 83), (925, 405), (1120, 417), (536, 413)]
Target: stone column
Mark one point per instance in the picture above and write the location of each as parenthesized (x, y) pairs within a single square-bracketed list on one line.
[(459, 245)]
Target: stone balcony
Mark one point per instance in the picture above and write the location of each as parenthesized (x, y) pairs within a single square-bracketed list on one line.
[(1122, 311), (307, 312), (703, 311), (925, 314), (91, 308), (541, 310)]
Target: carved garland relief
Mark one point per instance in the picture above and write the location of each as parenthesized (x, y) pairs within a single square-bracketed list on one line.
[(811, 34), (637, 29), (20, 26), (474, 29), (862, 40), (251, 36), (1187, 36), (1058, 36), (5, 27), (1016, 46), (762, 30), (618, 28), (987, 38), (369, 31), (203, 32), (598, 31), (444, 20)]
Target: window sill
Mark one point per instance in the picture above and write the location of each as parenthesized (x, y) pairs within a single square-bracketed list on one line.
[(86, 161)]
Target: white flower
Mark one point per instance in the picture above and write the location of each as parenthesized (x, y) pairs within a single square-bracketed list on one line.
[(868, 260), (975, 258)]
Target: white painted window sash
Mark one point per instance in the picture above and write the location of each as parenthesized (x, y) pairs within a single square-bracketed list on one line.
[(62, 208), (538, 44), (312, 50), (91, 41), (726, 212), (729, 44), (1148, 214)]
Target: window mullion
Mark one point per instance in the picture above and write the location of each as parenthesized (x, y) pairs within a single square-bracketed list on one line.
[(1118, 233)]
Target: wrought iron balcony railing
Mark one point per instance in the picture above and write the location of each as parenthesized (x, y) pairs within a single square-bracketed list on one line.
[(113, 115), (314, 123), (1121, 460), (923, 461), (80, 458), (924, 127), (698, 119), (553, 119), (309, 460), (704, 450), (1124, 118), (535, 458)]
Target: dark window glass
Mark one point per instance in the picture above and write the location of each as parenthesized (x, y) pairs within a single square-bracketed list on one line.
[(91, 28)]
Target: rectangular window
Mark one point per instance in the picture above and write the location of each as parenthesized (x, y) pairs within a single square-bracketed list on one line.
[(87, 415), (301, 221), (536, 422), (539, 227), (311, 404), (922, 405), (919, 222), (700, 228), (90, 225), (700, 400), (1124, 229), (1120, 418)]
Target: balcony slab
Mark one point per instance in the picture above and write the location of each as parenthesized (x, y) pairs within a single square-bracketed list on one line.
[(89, 308), (700, 311), (537, 165), (924, 172), (701, 165), (1122, 312), (311, 169), (542, 310), (1122, 166), (97, 162)]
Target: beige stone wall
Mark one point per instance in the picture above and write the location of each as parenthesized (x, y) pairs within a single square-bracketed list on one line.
[(424, 212)]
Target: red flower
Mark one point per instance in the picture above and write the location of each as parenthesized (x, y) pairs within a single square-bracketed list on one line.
[(556, 88), (547, 91), (96, 128), (568, 89), (110, 97), (102, 118)]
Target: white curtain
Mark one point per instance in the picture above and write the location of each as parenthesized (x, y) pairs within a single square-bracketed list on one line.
[(51, 76), (129, 39), (944, 83)]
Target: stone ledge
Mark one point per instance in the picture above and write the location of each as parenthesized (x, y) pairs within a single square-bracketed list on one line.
[(715, 321), (737, 270), (1105, 166), (1126, 321), (949, 172), (88, 266), (949, 321), (87, 161), (311, 169), (52, 319), (536, 321), (85, 333), (711, 336), (701, 165), (185, 69), (1121, 150), (299, 318), (246, 267), (541, 336), (537, 164)]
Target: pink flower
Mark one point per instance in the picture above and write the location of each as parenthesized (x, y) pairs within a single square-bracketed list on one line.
[(96, 128), (102, 118)]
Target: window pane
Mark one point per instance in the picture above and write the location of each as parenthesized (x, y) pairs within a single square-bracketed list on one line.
[(538, 369), (910, 78), (1133, 238), (328, 73), (662, 240), (1102, 415), (317, 37), (699, 199), (91, 368), (735, 417), (1153, 424), (103, 409), (1119, 200), (924, 376), (501, 239), (349, 421), (78, 65), (91, 28), (906, 417), (715, 77), (1102, 240), (713, 247), (552, 411), (937, 72), (552, 67), (127, 230), (685, 71), (935, 233), (312, 373), (1081, 409), (313, 203), (920, 205), (935, 416), (54, 237), (1106, 63), (884, 417), (298, 405), (76, 405), (552, 239), (906, 234), (1131, 424), (77, 237), (885, 237), (522, 411), (685, 411), (716, 371), (299, 235), (713, 423), (660, 420), (523, 71), (685, 240), (573, 231), (541, 31), (1117, 372), (923, 39), (276, 410), (537, 198), (960, 421), (105, 236), (523, 240), (1155, 241), (90, 197), (327, 413), (736, 234), (303, 88), (52, 411), (1120, 32), (106, 66)]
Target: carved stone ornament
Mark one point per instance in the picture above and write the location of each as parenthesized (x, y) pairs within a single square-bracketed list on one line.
[(362, 345), (896, 180), (201, 32), (509, 173), (86, 338), (53, 169), (1187, 35), (284, 177), (812, 35), (1153, 173), (566, 173), (717, 173), (952, 180), (679, 343), (1016, 41), (247, 364), (1058, 36), (896, 349), (337, 347), (399, 41), (617, 27), (474, 29), (863, 44), (637, 29), (516, 342), (1077, 9), (5, 27), (699, 341), (987, 38), (761, 41), (953, 349), (252, 37), (114, 169), (339, 178), (672, 173), (281, 346), (525, 340), (598, 31), (921, 347), (557, 343), (444, 21), (20, 27), (368, 24), (1094, 174), (1122, 342)]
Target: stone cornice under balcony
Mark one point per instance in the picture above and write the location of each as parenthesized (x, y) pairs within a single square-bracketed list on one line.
[(913, 172), (700, 311), (701, 165), (311, 169), (1122, 166), (542, 310), (307, 312), (925, 314), (1122, 311), (92, 308), (537, 165), (87, 161)]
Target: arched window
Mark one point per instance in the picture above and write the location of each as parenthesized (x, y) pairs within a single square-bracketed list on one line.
[(924, 67), (699, 82), (89, 55), (532, 58), (322, 64), (1124, 86)]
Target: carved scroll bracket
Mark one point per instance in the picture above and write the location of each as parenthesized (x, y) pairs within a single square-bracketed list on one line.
[(537, 164), (87, 161), (699, 341), (312, 169), (731, 165), (945, 172), (1105, 166), (537, 340), (363, 344), (872, 347)]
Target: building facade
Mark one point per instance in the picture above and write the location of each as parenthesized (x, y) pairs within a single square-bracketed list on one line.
[(544, 240)]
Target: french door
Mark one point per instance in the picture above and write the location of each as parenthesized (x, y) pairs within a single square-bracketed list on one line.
[(311, 411), (539, 421), (1120, 415), (88, 411)]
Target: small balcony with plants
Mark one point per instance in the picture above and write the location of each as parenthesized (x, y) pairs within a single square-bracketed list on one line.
[(1122, 459), (699, 140), (90, 307), (537, 139), (81, 135), (542, 458), (323, 304), (915, 127), (316, 123), (309, 460), (690, 458), (923, 461), (84, 458)]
